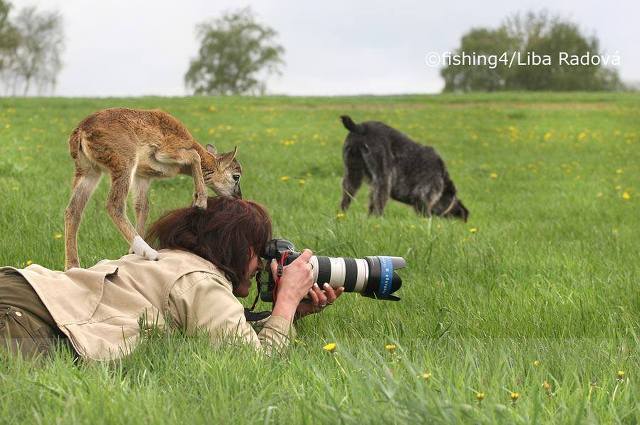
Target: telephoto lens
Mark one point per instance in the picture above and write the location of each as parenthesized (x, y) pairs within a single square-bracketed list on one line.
[(373, 276)]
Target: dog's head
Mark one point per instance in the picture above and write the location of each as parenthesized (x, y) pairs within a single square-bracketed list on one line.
[(458, 210), (223, 176)]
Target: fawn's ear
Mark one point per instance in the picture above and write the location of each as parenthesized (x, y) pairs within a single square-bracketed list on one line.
[(227, 158), (212, 149), (233, 154)]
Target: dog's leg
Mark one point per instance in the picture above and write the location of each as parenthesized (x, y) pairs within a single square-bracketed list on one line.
[(380, 191), (351, 182), (84, 183), (432, 194), (380, 171), (141, 201), (421, 208)]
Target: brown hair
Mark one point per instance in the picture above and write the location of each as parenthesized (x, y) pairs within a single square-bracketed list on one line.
[(223, 233)]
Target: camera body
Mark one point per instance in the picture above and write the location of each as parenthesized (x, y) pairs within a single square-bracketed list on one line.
[(373, 277)]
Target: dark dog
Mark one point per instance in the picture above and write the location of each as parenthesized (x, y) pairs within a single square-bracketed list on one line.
[(396, 167)]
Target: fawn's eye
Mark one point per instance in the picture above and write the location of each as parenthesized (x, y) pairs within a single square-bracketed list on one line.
[(236, 177)]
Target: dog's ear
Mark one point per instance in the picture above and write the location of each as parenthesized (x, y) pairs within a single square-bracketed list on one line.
[(212, 149)]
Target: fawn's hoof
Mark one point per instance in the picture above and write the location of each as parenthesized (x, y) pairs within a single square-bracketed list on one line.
[(200, 202), (142, 249)]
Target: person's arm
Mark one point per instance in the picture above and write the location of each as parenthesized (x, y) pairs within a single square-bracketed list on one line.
[(205, 301)]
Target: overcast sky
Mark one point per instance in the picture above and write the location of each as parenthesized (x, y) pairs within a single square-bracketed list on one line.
[(135, 47)]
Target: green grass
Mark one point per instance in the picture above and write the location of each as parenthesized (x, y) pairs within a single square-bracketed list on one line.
[(540, 285)]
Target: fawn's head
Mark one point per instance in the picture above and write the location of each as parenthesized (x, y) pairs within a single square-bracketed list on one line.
[(224, 175)]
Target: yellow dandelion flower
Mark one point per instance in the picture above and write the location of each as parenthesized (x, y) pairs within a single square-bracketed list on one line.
[(493, 175), (211, 131), (514, 396), (288, 142), (619, 171), (536, 363), (284, 178), (426, 376), (340, 216), (547, 386), (391, 348), (301, 182), (582, 136), (626, 196), (547, 136), (620, 375), (57, 236), (480, 396), (473, 230), (29, 262), (330, 347), (600, 195), (212, 108)]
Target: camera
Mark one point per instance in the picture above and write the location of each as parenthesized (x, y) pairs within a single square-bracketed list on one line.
[(373, 277)]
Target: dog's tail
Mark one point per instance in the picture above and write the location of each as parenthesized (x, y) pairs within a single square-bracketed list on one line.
[(351, 126)]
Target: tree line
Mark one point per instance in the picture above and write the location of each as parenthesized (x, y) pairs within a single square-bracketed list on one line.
[(238, 53)]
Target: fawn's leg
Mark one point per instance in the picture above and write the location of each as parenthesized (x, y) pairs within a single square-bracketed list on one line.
[(84, 183), (117, 209), (192, 158), (198, 180), (141, 201)]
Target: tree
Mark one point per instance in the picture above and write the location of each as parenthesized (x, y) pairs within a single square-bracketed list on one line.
[(469, 77), (38, 55), (522, 35), (31, 47), (8, 35), (235, 53)]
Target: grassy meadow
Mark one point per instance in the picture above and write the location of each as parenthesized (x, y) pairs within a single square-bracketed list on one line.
[(528, 313)]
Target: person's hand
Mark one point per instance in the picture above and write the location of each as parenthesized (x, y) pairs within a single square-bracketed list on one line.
[(318, 300), (296, 282)]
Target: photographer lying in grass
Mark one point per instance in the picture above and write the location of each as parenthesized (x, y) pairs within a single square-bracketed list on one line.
[(207, 259)]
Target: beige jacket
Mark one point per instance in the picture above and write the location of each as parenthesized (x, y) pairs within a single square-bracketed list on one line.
[(102, 309)]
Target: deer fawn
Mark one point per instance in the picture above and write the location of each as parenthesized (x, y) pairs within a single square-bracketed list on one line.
[(134, 147)]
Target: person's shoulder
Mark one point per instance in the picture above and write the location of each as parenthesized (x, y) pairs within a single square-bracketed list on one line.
[(201, 283), (187, 258)]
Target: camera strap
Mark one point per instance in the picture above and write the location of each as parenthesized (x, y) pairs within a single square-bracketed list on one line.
[(255, 300)]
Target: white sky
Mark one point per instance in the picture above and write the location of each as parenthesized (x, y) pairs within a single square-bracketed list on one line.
[(135, 47)]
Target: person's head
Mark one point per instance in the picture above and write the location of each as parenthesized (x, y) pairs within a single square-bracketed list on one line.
[(230, 232)]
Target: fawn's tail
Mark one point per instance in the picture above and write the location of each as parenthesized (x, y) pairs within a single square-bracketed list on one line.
[(74, 143)]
